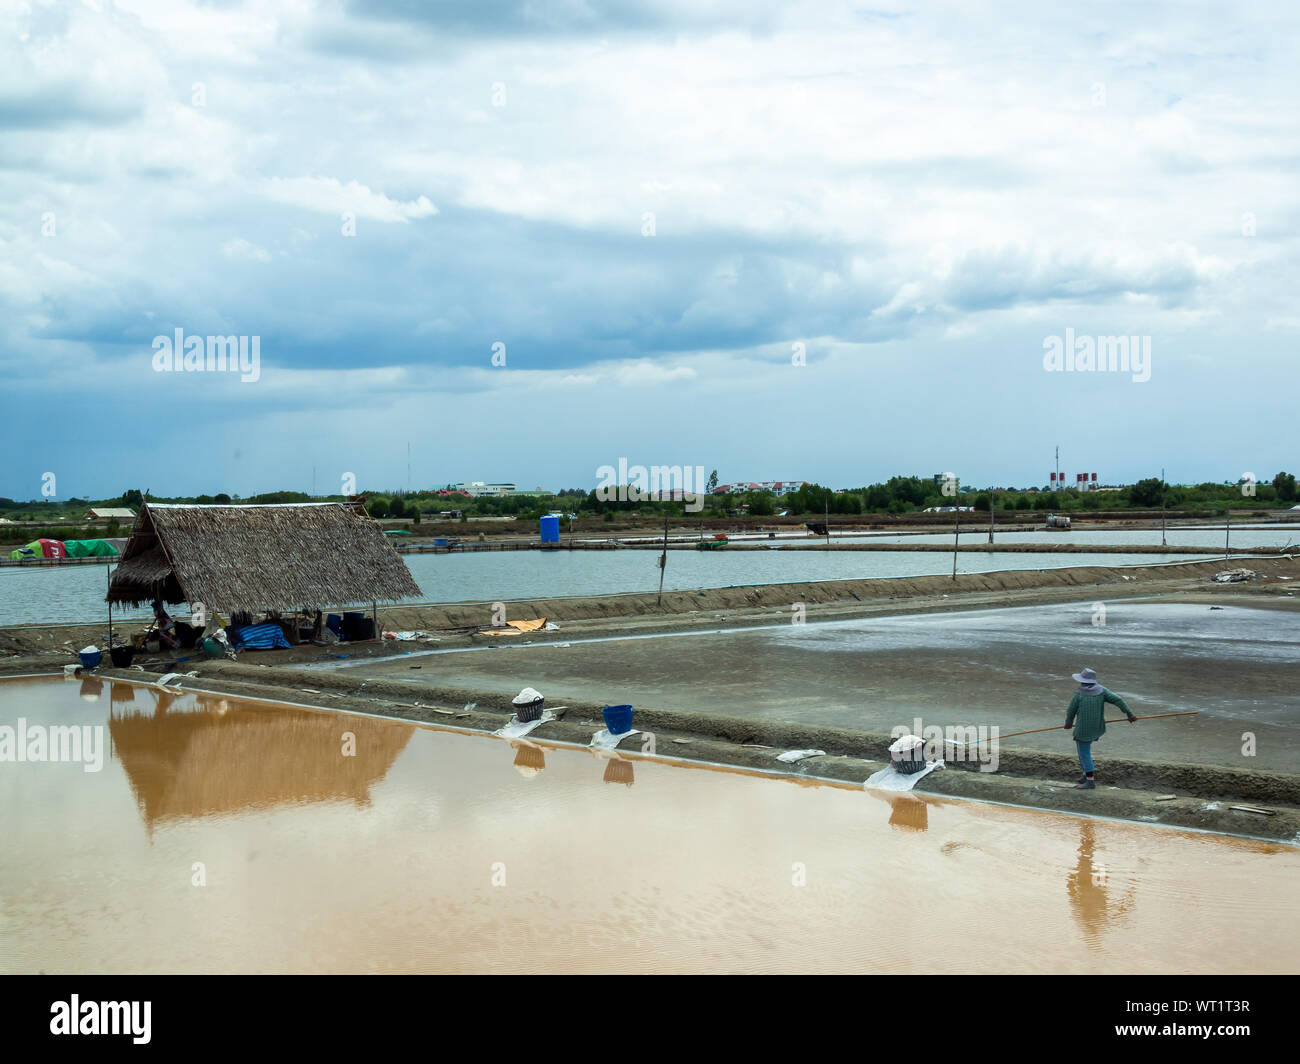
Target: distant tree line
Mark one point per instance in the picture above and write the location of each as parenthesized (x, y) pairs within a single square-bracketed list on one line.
[(897, 495)]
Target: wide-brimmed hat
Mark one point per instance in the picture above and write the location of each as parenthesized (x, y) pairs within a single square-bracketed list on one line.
[(1087, 676)]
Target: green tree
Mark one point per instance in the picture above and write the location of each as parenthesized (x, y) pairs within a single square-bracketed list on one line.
[(712, 483), (377, 507), (132, 498), (1146, 493), (1284, 485)]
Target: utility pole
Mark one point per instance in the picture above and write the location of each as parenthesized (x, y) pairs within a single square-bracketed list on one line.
[(990, 515), (956, 535), (1058, 465), (1227, 533), (1162, 507), (828, 518), (663, 562)]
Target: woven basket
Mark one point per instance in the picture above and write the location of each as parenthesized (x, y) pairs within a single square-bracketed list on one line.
[(530, 712)]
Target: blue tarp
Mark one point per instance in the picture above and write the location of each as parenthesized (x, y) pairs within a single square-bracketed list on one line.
[(258, 637)]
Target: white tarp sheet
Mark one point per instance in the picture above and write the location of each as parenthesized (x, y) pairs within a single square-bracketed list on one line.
[(890, 779)]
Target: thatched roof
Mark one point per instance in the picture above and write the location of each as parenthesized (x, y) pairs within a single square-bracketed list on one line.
[(280, 557)]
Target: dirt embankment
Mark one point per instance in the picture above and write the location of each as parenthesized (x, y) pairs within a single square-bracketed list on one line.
[(742, 604), (1200, 797), (980, 548), (828, 592)]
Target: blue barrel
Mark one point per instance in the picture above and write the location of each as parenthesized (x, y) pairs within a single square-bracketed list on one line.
[(550, 528)]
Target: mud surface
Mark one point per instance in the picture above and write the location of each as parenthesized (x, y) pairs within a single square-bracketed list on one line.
[(914, 648), (1148, 791)]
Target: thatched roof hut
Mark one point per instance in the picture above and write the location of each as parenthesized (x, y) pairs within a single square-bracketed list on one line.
[(283, 557)]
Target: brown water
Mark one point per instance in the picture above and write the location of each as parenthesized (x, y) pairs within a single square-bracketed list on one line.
[(433, 850)]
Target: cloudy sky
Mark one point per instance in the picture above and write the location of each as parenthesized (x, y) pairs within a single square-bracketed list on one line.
[(824, 241)]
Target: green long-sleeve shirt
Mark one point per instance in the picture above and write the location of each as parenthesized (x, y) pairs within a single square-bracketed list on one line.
[(1088, 714)]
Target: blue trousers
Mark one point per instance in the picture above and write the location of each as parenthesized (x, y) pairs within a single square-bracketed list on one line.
[(1085, 756)]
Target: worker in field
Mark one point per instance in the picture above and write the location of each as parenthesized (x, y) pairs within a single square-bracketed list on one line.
[(164, 626), (1087, 716)]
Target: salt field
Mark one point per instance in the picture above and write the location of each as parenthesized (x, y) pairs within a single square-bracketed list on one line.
[(228, 836)]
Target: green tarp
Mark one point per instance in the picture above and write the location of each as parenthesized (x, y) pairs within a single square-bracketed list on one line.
[(89, 548)]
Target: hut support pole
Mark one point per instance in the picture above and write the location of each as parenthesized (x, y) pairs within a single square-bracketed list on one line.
[(109, 571), (374, 616)]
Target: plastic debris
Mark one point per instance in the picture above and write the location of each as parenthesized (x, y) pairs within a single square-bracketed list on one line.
[(603, 740), (791, 756), (1234, 576)]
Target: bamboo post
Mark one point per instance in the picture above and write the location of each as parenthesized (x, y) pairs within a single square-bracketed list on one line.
[(1060, 727), (663, 562), (956, 534), (1163, 489)]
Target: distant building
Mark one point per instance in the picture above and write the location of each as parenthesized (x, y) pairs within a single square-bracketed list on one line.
[(478, 489), (776, 487), (109, 513)]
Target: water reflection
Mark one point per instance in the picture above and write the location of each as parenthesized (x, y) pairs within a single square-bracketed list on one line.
[(619, 771), (1089, 888), (208, 757), (909, 814), (529, 759)]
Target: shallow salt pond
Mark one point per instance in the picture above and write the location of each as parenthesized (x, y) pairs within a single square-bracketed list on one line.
[(428, 849)]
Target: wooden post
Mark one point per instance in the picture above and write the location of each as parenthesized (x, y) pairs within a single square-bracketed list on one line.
[(990, 515), (1162, 508), (109, 569), (374, 616), (1227, 533), (956, 535), (663, 562)]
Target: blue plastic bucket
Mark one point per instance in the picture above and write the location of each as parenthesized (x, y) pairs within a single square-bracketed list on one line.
[(91, 660), (618, 719)]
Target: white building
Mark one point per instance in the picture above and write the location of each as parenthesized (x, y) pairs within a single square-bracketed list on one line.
[(776, 487), (478, 488)]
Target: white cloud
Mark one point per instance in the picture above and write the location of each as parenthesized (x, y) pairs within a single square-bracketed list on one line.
[(329, 195), (239, 248)]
